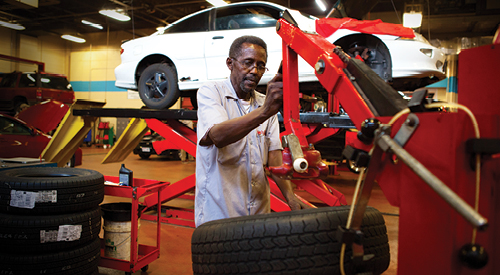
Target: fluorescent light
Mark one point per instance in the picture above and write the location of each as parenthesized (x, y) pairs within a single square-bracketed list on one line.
[(119, 15), (95, 25), (12, 26), (321, 5), (217, 3), (412, 19), (73, 38)]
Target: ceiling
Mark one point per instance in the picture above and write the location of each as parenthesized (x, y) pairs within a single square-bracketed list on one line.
[(443, 19)]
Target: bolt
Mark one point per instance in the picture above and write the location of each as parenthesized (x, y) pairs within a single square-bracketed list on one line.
[(320, 66)]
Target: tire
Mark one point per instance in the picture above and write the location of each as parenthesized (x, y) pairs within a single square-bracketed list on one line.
[(293, 242), (144, 156), (158, 86), (20, 107), (21, 233), (71, 162), (83, 260), (50, 190), (377, 56)]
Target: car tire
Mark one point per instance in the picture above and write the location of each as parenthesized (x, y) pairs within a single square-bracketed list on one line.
[(292, 242), (378, 57), (144, 156), (82, 260), (158, 86), (40, 233), (19, 106), (49, 190)]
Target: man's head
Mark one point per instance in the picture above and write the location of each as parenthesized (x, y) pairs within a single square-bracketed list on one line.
[(247, 62)]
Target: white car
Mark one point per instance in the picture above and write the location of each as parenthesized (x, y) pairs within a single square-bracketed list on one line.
[(193, 50)]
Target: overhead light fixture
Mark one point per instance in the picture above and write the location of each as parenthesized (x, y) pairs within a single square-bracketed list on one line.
[(73, 38), (412, 17), (119, 15), (321, 5), (217, 3), (14, 26), (95, 25)]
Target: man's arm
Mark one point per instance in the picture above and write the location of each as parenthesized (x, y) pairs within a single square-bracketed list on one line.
[(275, 159), (230, 131)]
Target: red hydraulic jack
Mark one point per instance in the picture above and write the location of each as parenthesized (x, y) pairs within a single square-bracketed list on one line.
[(179, 136)]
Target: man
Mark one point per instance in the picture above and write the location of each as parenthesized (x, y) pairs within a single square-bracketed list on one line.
[(238, 134)]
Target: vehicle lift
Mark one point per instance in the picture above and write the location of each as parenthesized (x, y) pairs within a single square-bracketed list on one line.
[(439, 231)]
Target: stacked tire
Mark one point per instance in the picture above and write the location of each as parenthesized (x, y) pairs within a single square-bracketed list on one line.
[(50, 220), (292, 242)]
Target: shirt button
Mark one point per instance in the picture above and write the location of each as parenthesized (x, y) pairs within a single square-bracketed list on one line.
[(253, 183)]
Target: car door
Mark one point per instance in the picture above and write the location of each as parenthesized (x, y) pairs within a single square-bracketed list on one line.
[(232, 22), (18, 140)]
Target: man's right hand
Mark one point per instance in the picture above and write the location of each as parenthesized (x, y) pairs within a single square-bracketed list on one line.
[(274, 95)]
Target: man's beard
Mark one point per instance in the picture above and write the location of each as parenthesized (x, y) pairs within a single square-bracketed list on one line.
[(244, 88)]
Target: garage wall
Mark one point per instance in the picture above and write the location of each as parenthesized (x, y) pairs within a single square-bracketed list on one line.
[(53, 52)]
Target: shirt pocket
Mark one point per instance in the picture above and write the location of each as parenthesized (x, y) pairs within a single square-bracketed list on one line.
[(264, 143), (231, 154)]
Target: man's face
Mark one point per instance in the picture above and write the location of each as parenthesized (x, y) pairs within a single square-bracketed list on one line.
[(245, 72)]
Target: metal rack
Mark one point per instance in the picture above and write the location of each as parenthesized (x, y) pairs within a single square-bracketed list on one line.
[(140, 255)]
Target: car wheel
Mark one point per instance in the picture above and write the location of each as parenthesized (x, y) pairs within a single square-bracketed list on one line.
[(71, 162), (20, 106), (372, 50), (353, 167), (144, 156), (158, 87), (291, 242)]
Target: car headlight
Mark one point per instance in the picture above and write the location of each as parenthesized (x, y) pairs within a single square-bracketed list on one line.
[(427, 52)]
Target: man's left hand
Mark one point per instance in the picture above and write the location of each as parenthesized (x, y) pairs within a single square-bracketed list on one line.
[(296, 204)]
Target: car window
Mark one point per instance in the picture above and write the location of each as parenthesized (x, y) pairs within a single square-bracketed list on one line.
[(9, 127), (9, 81), (55, 82), (196, 23), (246, 17), (27, 80)]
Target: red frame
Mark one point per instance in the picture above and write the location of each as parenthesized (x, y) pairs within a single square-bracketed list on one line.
[(140, 255)]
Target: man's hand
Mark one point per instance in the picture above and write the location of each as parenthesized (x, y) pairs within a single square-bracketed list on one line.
[(274, 95), (296, 204)]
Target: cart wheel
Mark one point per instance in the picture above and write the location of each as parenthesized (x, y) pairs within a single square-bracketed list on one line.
[(145, 268)]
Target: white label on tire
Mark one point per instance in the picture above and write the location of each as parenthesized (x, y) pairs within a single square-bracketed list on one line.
[(22, 199), (47, 196), (48, 236), (66, 233), (69, 233)]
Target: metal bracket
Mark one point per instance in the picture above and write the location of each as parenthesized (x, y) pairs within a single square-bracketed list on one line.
[(407, 130)]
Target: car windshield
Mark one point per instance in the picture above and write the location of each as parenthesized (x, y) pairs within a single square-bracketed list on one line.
[(55, 82)]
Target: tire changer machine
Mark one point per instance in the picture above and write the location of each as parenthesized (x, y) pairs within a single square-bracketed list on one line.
[(438, 162)]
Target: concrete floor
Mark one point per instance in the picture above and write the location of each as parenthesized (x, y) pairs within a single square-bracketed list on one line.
[(175, 251)]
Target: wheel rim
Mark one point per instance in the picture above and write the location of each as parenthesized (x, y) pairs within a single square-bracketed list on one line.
[(156, 86)]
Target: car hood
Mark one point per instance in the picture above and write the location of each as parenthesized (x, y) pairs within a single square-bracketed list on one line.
[(44, 116)]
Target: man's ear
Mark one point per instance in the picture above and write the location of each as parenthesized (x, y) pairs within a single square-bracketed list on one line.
[(229, 63)]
